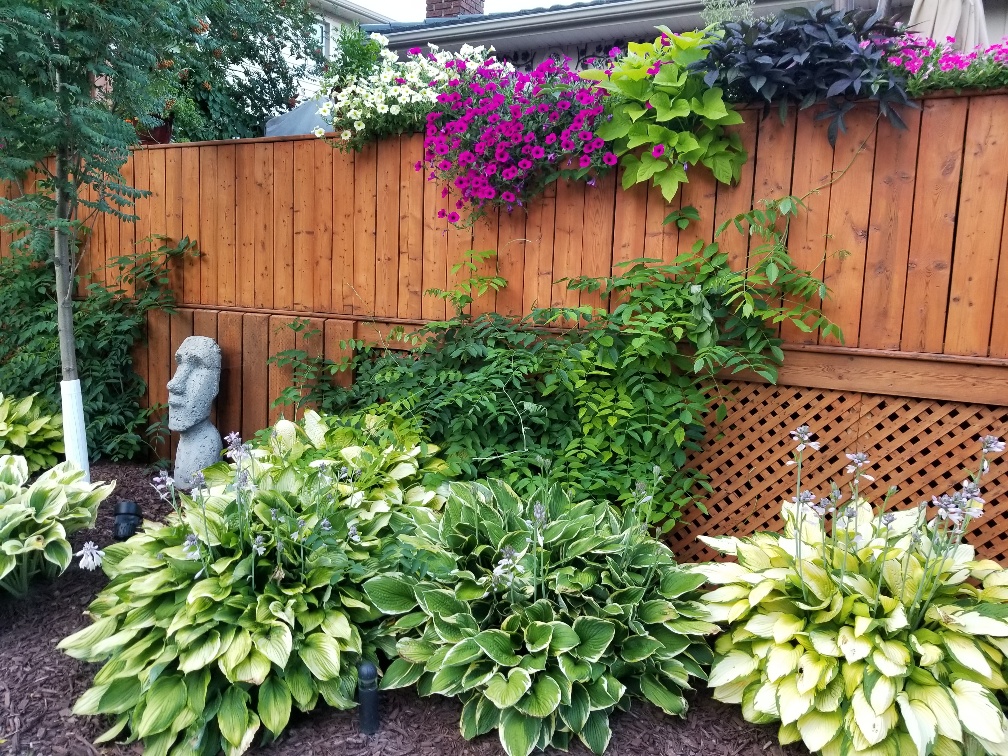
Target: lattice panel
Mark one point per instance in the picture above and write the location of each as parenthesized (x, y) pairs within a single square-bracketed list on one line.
[(921, 446)]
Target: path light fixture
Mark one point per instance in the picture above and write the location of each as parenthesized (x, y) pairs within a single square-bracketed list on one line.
[(367, 694), (127, 519)]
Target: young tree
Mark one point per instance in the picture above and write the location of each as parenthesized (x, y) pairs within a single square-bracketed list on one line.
[(69, 72)]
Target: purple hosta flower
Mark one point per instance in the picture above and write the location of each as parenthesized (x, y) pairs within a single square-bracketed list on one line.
[(352, 534), (539, 514), (858, 461), (887, 519), (91, 556), (259, 545), (164, 485), (803, 436), (243, 481), (971, 491), (191, 546), (949, 507), (236, 451), (991, 445), (325, 526), (507, 569), (198, 481), (273, 514), (847, 514)]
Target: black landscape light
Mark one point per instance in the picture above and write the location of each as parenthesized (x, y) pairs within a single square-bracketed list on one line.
[(127, 519), (367, 693)]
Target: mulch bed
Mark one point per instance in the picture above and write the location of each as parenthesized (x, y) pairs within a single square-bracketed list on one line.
[(39, 684)]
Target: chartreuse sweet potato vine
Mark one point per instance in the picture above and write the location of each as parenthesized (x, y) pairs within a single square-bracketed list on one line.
[(543, 616), (248, 602), (882, 634)]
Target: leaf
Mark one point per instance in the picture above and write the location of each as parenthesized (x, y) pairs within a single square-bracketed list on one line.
[(978, 711), (391, 595), (542, 698), (498, 646), (637, 648), (321, 654), (274, 704), (733, 666), (401, 674), (596, 733), (505, 692), (595, 636), (165, 700), (232, 717), (658, 694), (819, 728), (200, 654), (275, 644), (518, 733)]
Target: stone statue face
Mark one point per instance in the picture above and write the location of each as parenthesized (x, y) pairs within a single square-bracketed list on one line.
[(195, 384)]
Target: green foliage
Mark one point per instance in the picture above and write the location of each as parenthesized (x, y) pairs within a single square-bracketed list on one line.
[(27, 431), (664, 118), (36, 520), (355, 55), (108, 323), (720, 12), (247, 602), (542, 616), (882, 634), (598, 404)]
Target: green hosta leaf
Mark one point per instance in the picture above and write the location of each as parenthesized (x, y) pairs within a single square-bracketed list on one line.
[(337, 625), (596, 733), (463, 652), (165, 701), (656, 611), (506, 692), (80, 644), (274, 704), (448, 680), (978, 710), (518, 733), (498, 646), (819, 728), (59, 553), (200, 654), (731, 667), (479, 716), (252, 669), (575, 714), (965, 651), (637, 648), (391, 595), (275, 644), (401, 674), (542, 698), (301, 685), (919, 721), (655, 692), (321, 654), (538, 636), (121, 695), (564, 638), (574, 669), (595, 636)]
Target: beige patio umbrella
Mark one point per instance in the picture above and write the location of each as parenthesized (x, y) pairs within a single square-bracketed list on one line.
[(962, 19)]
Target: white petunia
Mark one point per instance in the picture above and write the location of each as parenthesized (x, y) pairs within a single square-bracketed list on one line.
[(394, 110), (346, 135), (91, 556), (359, 125), (318, 131)]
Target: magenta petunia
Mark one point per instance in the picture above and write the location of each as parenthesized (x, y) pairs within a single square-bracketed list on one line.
[(585, 161), (550, 138), (414, 51), (524, 164), (610, 158), (508, 196), (453, 217), (658, 150), (442, 213)]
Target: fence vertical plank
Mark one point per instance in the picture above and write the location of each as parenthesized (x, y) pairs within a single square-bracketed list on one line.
[(813, 166), (485, 237), (599, 216), (134, 174), (411, 228), (511, 260), (628, 233), (262, 225), (999, 325), (337, 333), (156, 203), (173, 214), (460, 241), (229, 400), (365, 200), (159, 361), (311, 341), (567, 240), (936, 195), (304, 224), (322, 257), (343, 232), (850, 201), (226, 284), (435, 250), (281, 338), (981, 208), (255, 373), (208, 225), (700, 192), (538, 288), (661, 240), (245, 199), (283, 225), (889, 234), (82, 261), (738, 198), (190, 194), (386, 268), (180, 328)]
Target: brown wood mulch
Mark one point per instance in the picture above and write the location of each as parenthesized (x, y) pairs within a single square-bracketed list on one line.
[(39, 684)]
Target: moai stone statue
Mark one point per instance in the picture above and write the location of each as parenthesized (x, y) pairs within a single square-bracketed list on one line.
[(191, 391)]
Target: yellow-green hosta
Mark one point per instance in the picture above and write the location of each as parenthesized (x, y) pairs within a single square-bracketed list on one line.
[(876, 638), (27, 431)]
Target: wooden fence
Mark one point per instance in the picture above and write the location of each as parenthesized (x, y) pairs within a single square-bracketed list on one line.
[(909, 235)]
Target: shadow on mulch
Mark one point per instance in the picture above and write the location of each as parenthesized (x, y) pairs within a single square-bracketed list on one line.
[(39, 684)]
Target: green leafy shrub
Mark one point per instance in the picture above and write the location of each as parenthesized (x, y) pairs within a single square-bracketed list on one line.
[(882, 634), (664, 117), (27, 431), (543, 616), (108, 323), (36, 520), (247, 601), (594, 407), (805, 56)]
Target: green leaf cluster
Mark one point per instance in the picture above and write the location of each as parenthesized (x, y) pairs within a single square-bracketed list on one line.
[(543, 616), (664, 117), (36, 520), (882, 634), (29, 432), (246, 603)]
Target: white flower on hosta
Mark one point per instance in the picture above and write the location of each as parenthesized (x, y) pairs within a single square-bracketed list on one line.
[(91, 556)]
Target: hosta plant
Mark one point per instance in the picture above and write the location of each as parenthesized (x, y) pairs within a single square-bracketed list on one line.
[(877, 633), (542, 616), (36, 520), (27, 431), (247, 601)]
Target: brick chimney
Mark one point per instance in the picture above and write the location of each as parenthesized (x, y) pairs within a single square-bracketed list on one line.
[(451, 8)]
